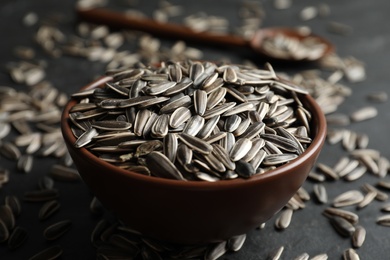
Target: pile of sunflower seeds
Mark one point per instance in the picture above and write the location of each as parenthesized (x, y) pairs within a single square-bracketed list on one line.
[(193, 119), (98, 44)]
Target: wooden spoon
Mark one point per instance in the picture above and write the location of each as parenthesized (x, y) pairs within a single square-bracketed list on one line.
[(278, 43)]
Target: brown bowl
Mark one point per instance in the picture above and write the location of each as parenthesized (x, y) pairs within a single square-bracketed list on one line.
[(191, 212)]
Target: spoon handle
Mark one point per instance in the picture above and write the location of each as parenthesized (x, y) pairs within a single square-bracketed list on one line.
[(119, 20)]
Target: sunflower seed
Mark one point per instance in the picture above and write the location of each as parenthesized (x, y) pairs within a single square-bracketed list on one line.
[(368, 198), (159, 88), (195, 143), (244, 169), (320, 257), (111, 125), (170, 145), (350, 254), (281, 142), (218, 110), (48, 209), (208, 127), (379, 97), (320, 192), (257, 144), (17, 238), (49, 253), (318, 177), (342, 226), (364, 113), (184, 84), (14, 204), (200, 101), (161, 166), (206, 177), (341, 164), (46, 183), (63, 173), (275, 159), (216, 96), (184, 101), (7, 216), (215, 251), (40, 195), (56, 230), (284, 219), (232, 123), (160, 127), (348, 198), (371, 165), (328, 171), (351, 165), (240, 149), (303, 256), (4, 232), (9, 151), (276, 254), (244, 128), (348, 215), (179, 116), (383, 166), (384, 220), (358, 236), (194, 125), (356, 173), (25, 163), (86, 137), (379, 194)]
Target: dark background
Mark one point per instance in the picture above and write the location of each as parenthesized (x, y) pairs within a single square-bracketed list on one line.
[(309, 231)]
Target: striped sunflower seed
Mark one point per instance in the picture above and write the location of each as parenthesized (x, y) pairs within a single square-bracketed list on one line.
[(195, 143), (284, 219), (179, 116), (14, 204), (350, 254), (384, 220), (342, 226), (348, 198), (56, 230), (240, 149), (364, 113), (321, 193), (348, 215), (215, 251), (160, 165), (235, 243), (48, 209), (4, 232), (17, 238), (63, 173), (50, 253), (40, 195), (358, 236), (7, 216)]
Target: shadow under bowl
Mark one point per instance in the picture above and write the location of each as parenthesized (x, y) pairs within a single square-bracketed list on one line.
[(193, 212)]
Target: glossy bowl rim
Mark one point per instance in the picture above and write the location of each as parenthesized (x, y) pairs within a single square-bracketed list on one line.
[(314, 147)]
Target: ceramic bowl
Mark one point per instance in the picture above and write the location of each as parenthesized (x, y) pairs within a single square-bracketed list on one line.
[(190, 212)]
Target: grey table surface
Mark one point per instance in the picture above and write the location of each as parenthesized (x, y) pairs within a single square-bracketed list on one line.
[(309, 231)]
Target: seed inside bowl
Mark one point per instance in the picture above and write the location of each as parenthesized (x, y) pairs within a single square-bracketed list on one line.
[(193, 120)]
